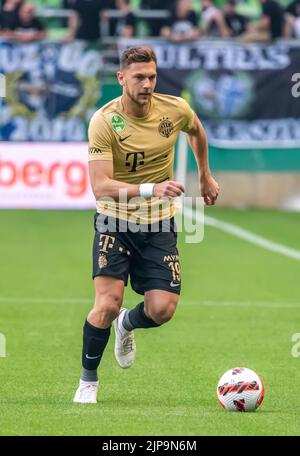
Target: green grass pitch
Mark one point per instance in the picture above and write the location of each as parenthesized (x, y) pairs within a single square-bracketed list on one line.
[(240, 306)]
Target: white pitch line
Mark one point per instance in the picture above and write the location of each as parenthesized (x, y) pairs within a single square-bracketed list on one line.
[(183, 302), (244, 234), (268, 304)]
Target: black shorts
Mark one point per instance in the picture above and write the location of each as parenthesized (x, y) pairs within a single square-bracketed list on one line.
[(147, 253)]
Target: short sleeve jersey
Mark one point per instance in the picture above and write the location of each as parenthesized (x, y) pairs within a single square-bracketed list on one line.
[(141, 148)]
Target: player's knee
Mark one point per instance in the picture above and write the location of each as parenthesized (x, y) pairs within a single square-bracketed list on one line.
[(163, 313), (106, 308), (103, 316)]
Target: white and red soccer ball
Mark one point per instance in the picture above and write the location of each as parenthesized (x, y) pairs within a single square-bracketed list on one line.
[(240, 390)]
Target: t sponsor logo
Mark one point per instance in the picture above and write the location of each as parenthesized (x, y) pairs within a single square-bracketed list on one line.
[(132, 159)]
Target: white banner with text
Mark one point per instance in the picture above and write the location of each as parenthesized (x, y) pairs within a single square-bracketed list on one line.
[(44, 176)]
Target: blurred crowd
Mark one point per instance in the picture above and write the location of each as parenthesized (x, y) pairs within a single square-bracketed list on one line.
[(19, 21)]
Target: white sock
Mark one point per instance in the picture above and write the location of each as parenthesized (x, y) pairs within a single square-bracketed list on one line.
[(121, 328), (83, 383)]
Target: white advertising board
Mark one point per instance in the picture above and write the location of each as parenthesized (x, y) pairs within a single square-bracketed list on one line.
[(44, 176)]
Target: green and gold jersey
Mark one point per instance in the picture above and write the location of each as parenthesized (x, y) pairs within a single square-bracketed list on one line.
[(142, 150)]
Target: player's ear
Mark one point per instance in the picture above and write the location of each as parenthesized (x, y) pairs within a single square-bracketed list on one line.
[(120, 77)]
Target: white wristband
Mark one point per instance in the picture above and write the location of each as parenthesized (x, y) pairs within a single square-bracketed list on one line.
[(146, 190)]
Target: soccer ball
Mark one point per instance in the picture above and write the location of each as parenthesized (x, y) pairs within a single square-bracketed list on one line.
[(240, 390)]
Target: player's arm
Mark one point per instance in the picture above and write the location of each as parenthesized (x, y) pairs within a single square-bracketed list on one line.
[(103, 184), (198, 142)]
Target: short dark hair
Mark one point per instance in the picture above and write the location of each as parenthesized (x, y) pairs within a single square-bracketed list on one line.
[(137, 55)]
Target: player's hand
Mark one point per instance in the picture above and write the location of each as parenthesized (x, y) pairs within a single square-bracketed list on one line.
[(168, 189), (209, 189)]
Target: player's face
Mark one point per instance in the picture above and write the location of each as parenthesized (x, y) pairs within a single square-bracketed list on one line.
[(138, 81)]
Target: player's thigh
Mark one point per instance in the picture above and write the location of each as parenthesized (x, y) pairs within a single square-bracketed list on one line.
[(109, 292), (108, 300)]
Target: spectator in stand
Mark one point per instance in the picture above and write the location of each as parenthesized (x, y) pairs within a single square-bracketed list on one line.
[(213, 20), (183, 23), (68, 4), (269, 27), (155, 25), (236, 23), (9, 15), (26, 28), (293, 19), (124, 26), (84, 22)]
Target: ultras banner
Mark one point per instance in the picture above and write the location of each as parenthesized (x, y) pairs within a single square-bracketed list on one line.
[(247, 95), (51, 90)]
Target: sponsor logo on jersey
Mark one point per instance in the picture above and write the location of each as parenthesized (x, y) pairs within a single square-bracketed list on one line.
[(171, 257), (95, 151), (123, 139), (118, 123)]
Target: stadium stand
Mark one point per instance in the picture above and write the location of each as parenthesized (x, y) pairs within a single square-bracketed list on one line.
[(55, 15), (146, 17)]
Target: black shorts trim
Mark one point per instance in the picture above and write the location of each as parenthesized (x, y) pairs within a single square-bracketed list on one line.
[(158, 286), (109, 274)]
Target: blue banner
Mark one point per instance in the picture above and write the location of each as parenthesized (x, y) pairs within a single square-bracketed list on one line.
[(51, 90)]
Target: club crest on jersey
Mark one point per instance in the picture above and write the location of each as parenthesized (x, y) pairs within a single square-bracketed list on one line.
[(102, 261), (118, 123), (165, 127)]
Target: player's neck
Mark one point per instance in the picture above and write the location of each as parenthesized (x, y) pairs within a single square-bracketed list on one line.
[(133, 109)]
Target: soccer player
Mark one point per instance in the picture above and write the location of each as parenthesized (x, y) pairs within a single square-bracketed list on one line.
[(131, 154)]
